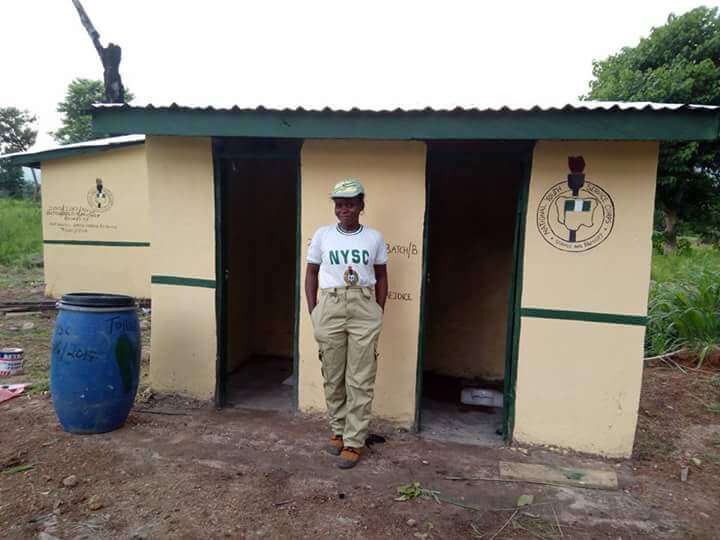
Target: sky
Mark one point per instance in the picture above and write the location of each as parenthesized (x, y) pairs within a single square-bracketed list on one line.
[(370, 54)]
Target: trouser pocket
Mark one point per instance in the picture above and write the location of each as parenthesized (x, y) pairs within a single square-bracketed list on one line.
[(371, 304), (316, 313)]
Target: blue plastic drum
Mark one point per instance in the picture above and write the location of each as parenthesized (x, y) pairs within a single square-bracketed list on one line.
[(95, 367)]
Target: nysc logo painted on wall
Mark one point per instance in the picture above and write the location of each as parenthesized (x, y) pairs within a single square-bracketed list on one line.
[(100, 199), (575, 215)]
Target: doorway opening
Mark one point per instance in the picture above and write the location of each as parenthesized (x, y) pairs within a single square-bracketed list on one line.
[(472, 196), (259, 220)]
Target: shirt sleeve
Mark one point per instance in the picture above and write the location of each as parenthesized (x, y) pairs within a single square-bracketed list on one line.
[(381, 252), (315, 252)]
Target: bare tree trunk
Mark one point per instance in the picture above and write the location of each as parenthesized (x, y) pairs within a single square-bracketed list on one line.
[(87, 23), (109, 56), (36, 190), (670, 232)]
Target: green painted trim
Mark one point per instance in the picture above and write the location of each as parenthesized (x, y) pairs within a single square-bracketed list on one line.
[(35, 159), (417, 422), (514, 319), (584, 316), (423, 125), (183, 281), (221, 375), (96, 243), (298, 285)]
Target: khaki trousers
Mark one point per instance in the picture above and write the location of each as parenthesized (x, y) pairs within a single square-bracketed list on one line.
[(347, 323)]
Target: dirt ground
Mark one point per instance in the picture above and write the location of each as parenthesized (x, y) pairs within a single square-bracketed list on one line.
[(205, 473)]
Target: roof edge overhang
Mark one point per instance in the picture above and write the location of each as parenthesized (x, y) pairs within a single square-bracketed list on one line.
[(35, 159), (685, 123)]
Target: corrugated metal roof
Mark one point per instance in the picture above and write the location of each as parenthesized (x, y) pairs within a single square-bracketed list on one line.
[(444, 108), (581, 120), (95, 143), (36, 155)]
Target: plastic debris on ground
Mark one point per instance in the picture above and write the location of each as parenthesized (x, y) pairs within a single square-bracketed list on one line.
[(9, 391)]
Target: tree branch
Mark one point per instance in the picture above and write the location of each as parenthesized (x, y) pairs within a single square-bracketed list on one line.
[(109, 56), (87, 23)]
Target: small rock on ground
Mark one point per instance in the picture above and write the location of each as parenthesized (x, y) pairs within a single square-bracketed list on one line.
[(146, 395), (95, 503), (70, 481)]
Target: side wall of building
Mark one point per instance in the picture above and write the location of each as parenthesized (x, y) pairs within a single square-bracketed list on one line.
[(394, 176), (182, 199), (583, 303), (97, 246)]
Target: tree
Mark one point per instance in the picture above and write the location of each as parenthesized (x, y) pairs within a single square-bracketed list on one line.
[(678, 62), (76, 122), (16, 135), (12, 182)]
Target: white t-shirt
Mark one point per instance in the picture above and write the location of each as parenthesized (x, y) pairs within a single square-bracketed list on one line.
[(347, 258)]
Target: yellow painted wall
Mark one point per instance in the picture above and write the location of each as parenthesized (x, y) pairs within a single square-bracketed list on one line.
[(183, 237), (69, 216), (578, 383), (183, 346), (394, 177), (116, 270)]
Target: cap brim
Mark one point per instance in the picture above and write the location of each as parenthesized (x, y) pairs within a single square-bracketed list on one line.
[(344, 195)]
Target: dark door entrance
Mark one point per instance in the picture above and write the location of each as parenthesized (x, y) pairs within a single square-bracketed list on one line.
[(258, 301), (473, 191)]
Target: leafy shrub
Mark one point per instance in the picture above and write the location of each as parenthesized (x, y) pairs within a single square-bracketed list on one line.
[(684, 246), (685, 314), (658, 241)]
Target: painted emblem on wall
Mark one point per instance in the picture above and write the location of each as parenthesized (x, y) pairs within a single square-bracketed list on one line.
[(576, 215), (100, 198)]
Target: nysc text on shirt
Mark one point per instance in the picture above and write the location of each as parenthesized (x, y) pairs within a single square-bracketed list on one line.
[(341, 254)]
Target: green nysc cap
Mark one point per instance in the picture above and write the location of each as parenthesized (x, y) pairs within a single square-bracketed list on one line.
[(346, 189)]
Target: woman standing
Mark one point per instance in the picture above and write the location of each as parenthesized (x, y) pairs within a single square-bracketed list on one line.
[(347, 261)]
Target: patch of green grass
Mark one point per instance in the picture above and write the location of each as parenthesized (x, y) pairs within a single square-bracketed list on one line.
[(20, 277), (18, 469), (713, 407), (678, 267), (39, 387), (684, 303), (20, 232)]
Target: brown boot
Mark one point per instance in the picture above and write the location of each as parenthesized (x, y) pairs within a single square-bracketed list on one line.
[(348, 457), (336, 445)]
